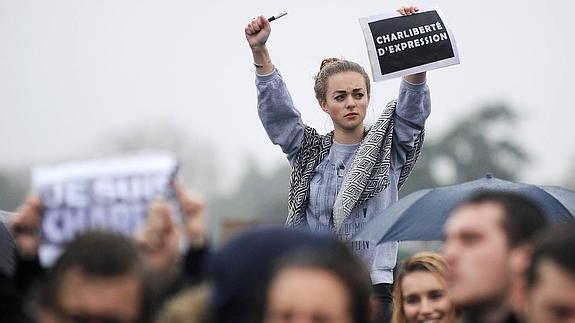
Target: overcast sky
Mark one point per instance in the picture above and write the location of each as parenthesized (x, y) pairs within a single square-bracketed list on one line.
[(73, 71)]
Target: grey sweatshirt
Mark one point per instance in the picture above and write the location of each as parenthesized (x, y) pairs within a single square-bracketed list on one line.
[(283, 124)]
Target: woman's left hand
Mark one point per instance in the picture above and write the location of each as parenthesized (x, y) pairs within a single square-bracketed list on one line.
[(408, 10), (419, 77)]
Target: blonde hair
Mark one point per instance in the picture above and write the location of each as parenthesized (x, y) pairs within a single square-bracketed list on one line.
[(331, 66), (424, 261), (190, 306)]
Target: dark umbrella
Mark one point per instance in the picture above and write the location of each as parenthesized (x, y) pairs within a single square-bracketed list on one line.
[(421, 215)]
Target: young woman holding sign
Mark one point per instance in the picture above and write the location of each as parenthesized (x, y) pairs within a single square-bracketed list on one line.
[(343, 179)]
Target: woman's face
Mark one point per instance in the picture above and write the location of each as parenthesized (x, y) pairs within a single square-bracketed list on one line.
[(346, 100), (307, 295), (425, 299)]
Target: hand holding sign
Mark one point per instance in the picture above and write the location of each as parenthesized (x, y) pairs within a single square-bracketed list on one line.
[(419, 77), (159, 238), (402, 45), (192, 207), (407, 10), (105, 194)]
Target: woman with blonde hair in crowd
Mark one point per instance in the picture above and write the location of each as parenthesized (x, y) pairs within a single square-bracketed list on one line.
[(420, 292)]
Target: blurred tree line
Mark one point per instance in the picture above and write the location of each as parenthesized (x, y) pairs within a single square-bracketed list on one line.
[(472, 147)]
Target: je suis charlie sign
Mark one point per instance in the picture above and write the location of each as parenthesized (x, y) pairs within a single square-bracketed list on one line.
[(401, 45), (105, 194)]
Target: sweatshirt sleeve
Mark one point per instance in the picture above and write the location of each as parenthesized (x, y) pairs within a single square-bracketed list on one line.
[(413, 108), (281, 120)]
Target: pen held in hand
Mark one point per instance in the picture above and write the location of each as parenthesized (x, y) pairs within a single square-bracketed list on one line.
[(279, 15)]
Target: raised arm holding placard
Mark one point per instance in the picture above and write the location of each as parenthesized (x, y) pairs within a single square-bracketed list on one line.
[(400, 45), (341, 180)]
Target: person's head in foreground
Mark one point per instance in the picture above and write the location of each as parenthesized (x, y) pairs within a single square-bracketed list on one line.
[(550, 294), (189, 306), (420, 291), (319, 287), (486, 238), (100, 277), (240, 270)]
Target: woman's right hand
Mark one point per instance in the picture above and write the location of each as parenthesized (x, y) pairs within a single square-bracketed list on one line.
[(257, 32)]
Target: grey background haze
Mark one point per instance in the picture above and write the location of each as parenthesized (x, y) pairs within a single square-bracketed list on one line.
[(72, 72)]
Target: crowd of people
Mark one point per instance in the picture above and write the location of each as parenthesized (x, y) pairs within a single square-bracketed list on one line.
[(501, 261)]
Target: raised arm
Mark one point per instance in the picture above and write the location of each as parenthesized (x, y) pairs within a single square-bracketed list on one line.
[(276, 110), (419, 77), (257, 33), (413, 108)]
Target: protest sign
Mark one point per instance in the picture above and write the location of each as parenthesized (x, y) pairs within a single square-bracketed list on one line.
[(107, 194), (401, 45)]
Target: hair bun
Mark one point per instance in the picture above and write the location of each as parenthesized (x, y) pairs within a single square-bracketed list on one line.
[(328, 61)]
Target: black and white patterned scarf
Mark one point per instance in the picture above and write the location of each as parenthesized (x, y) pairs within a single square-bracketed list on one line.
[(367, 176)]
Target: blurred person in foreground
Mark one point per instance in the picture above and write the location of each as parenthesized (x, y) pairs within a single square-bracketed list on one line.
[(319, 287), (11, 309), (420, 291), (293, 276), (100, 277), (487, 244), (25, 227), (241, 269), (550, 292)]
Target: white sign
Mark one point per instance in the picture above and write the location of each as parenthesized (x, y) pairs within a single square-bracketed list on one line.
[(107, 194), (401, 45)]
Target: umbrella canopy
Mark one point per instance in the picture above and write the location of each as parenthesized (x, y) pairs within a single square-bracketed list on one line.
[(421, 215)]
